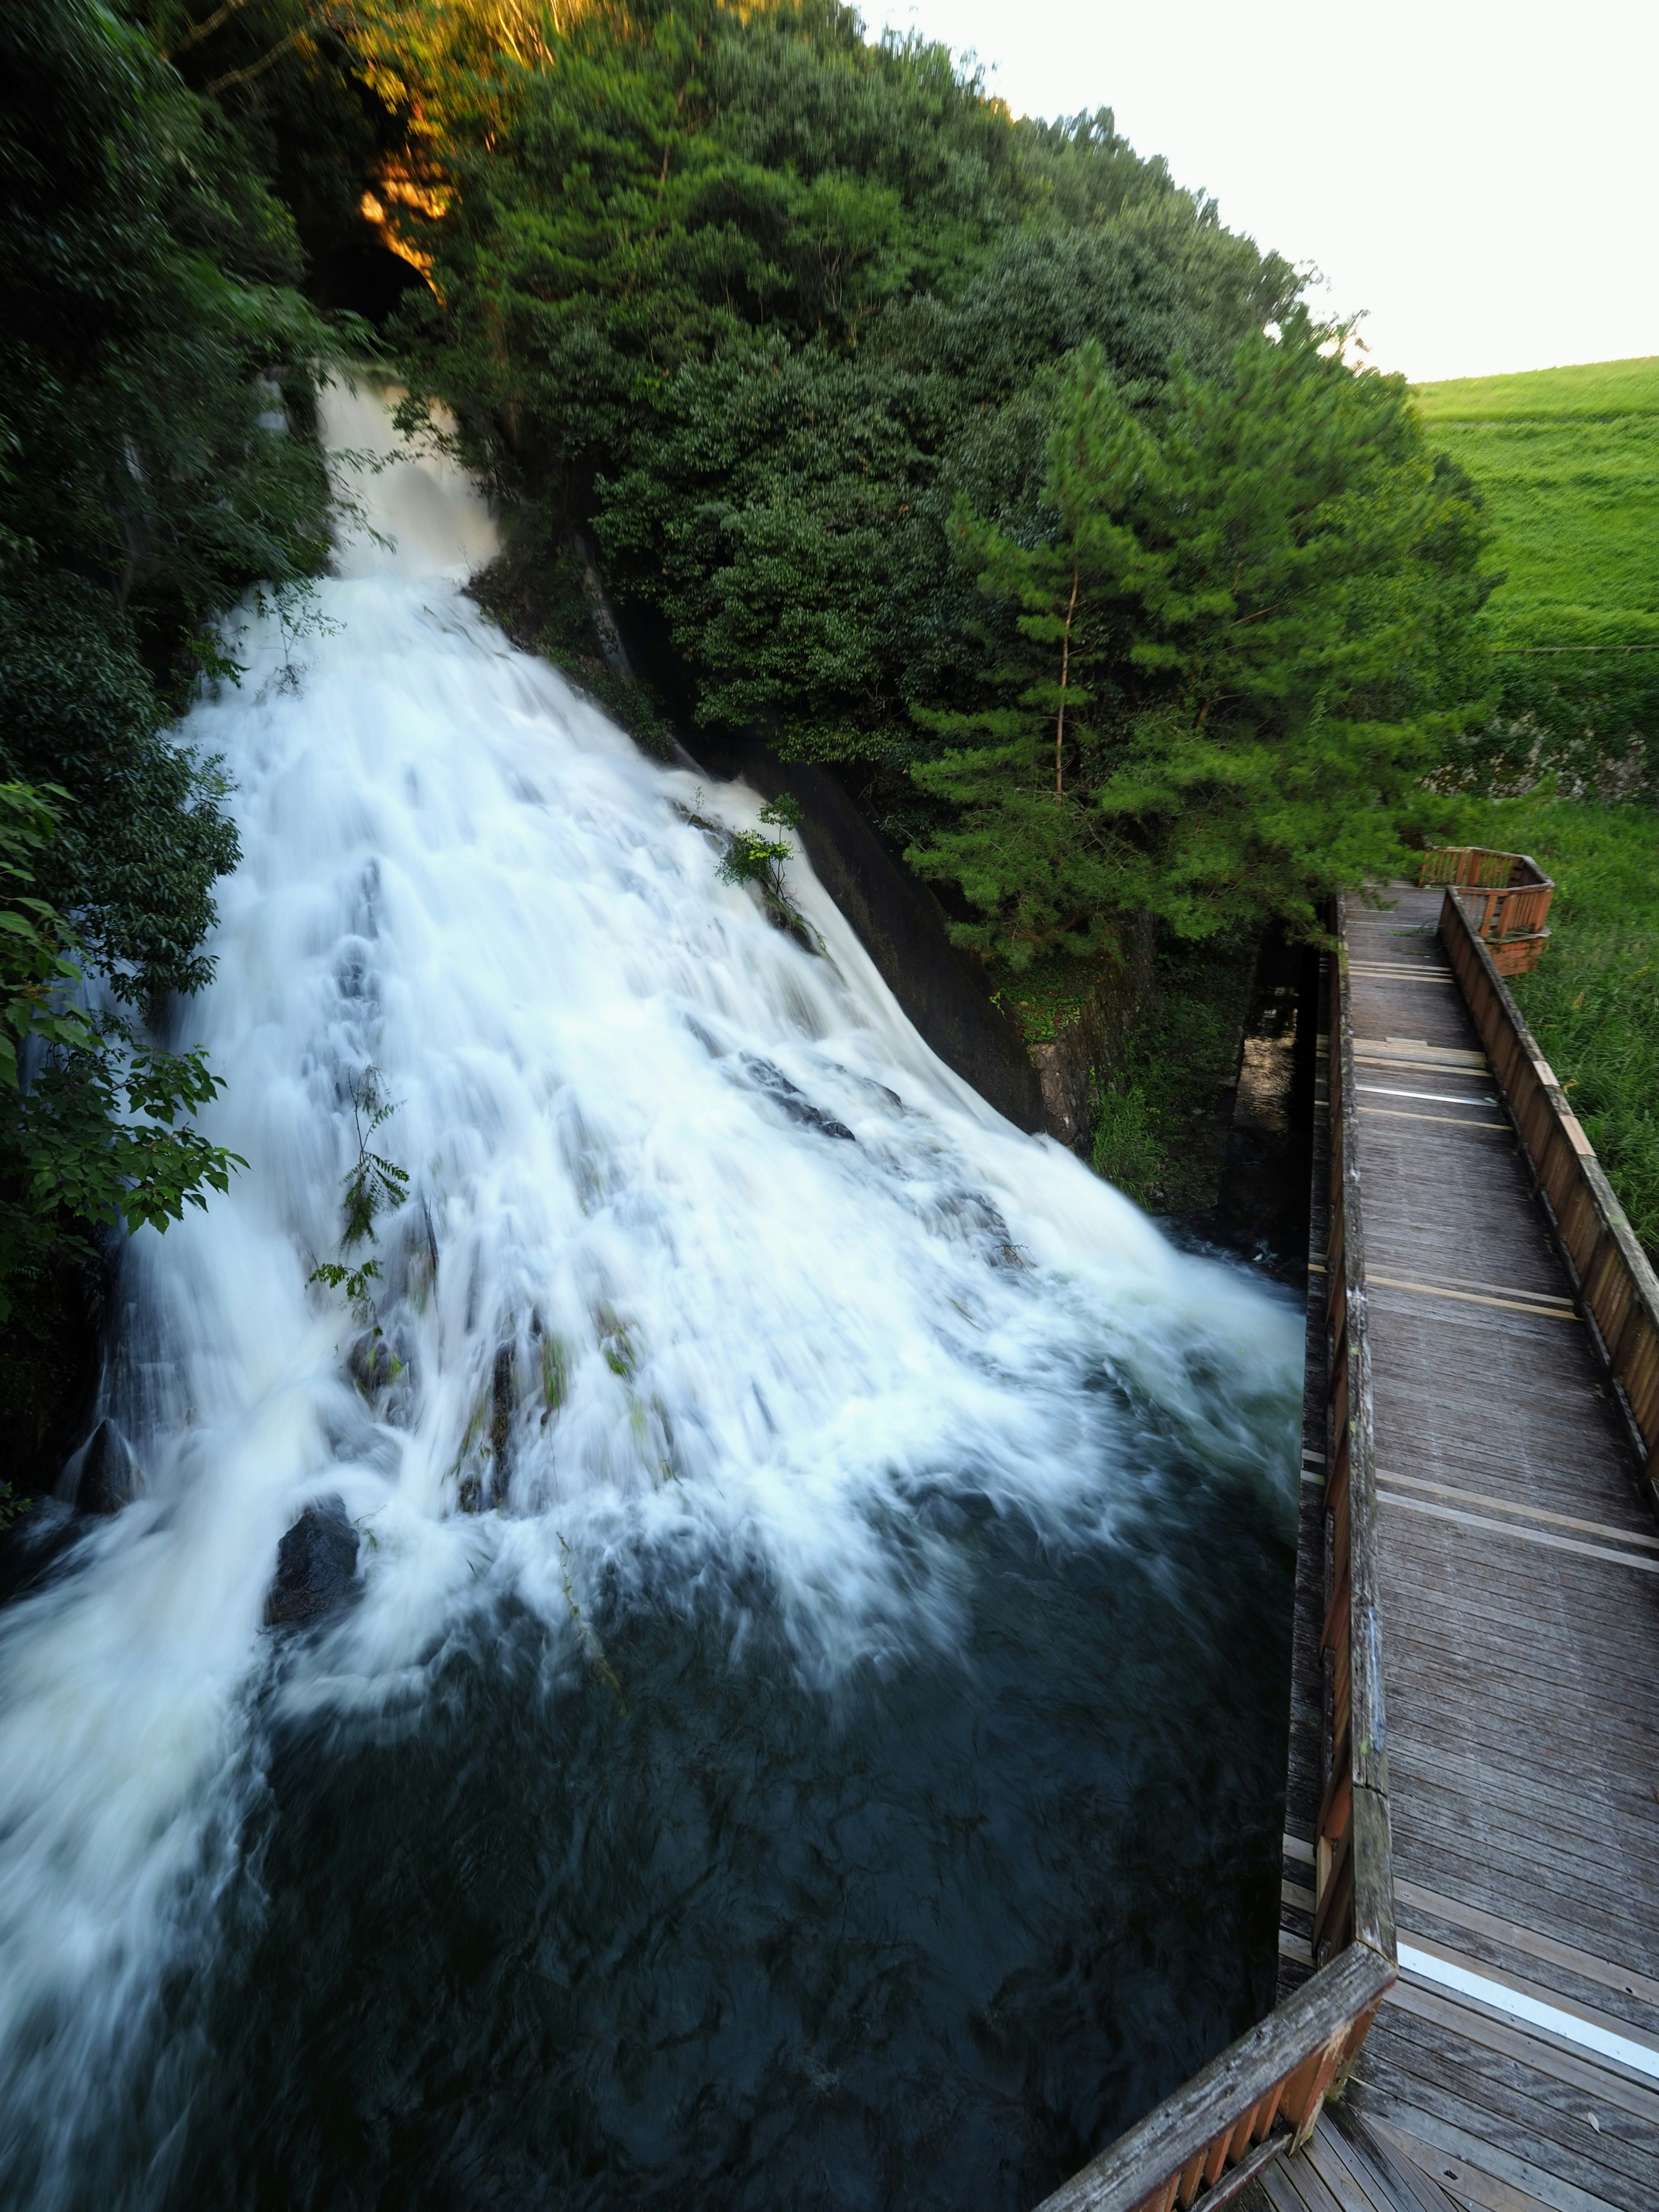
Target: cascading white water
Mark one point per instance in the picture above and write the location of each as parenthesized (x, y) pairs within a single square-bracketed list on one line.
[(706, 1260)]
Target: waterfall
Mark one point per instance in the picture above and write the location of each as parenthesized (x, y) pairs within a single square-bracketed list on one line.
[(715, 1300)]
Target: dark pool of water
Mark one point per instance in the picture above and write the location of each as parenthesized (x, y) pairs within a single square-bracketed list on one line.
[(718, 1936)]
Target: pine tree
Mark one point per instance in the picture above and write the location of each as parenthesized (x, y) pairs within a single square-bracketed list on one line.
[(1256, 581)]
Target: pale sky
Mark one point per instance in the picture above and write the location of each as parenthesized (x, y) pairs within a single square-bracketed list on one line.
[(1479, 174)]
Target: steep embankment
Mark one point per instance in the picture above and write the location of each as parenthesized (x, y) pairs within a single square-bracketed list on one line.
[(1568, 461)]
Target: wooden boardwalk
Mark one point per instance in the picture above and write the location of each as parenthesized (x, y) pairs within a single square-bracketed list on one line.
[(1516, 2063)]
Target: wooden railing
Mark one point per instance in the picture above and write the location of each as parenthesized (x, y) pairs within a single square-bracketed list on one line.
[(1265, 2093), (1506, 897), (1263, 2096), (1617, 1288), (1354, 1884)]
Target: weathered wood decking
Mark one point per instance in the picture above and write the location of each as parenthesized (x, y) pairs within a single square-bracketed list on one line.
[(1516, 2063)]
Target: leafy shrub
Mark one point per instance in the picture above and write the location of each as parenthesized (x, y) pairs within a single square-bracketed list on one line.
[(95, 1125), (752, 858), (156, 385), (1126, 1150)]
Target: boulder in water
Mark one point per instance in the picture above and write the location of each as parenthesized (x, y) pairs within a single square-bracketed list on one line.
[(793, 1100), (316, 1566), (109, 1474)]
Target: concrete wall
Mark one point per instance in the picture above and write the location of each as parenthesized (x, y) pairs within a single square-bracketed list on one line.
[(901, 926)]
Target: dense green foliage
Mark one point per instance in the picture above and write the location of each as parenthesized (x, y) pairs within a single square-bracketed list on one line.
[(152, 319), (155, 387), (1568, 460), (1593, 999), (842, 367), (70, 1077), (1236, 645), (1165, 1105)]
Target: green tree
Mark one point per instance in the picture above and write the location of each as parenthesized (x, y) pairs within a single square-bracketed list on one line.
[(95, 1125), (156, 368), (1241, 636), (157, 364), (739, 290)]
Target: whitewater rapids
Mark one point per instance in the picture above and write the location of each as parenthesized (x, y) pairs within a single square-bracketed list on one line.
[(709, 1270)]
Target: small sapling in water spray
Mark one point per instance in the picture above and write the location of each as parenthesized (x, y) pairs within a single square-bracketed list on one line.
[(373, 1185), (751, 858)]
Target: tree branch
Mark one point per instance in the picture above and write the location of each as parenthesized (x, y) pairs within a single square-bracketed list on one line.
[(205, 29), (1065, 672), (254, 69)]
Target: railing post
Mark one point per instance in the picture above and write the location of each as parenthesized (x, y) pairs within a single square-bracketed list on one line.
[(1505, 899)]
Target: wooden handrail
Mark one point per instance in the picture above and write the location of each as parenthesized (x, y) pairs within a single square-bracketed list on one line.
[(1265, 2093), (1617, 1288), (1353, 1886), (1506, 895)]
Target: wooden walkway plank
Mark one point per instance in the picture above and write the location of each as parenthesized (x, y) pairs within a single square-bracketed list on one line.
[(1413, 2188), (1346, 2174), (1479, 1926), (1557, 2070), (1467, 2132), (1473, 1741)]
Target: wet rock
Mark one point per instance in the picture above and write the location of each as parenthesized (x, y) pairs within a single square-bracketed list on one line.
[(109, 1474), (783, 914), (370, 1363), (794, 1101), (503, 1404), (316, 1566)]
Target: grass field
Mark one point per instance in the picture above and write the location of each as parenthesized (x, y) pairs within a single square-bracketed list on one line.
[(1569, 461)]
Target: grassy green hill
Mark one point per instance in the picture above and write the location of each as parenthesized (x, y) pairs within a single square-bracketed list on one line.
[(1569, 461)]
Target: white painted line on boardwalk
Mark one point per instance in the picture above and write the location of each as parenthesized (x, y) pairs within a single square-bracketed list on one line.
[(1404, 1113), (1640, 2057), (1377, 1063), (1432, 1097), (1483, 1288), (1535, 1307), (1527, 1512), (1393, 1048), (1521, 1535)]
